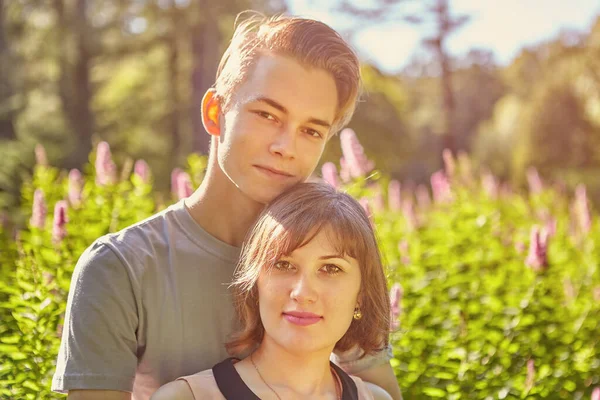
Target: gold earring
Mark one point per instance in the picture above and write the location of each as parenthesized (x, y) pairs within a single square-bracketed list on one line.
[(357, 313)]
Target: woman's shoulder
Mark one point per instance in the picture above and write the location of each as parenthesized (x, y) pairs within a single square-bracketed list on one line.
[(199, 386), (369, 391)]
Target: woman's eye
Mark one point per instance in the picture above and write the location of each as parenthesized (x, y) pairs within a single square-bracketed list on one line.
[(332, 269), (283, 265)]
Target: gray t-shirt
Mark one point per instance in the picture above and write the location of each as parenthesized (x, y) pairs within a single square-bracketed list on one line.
[(149, 304)]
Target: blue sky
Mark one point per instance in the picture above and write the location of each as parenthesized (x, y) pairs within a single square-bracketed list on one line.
[(502, 26)]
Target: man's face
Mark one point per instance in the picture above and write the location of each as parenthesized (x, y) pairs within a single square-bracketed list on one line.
[(276, 126)]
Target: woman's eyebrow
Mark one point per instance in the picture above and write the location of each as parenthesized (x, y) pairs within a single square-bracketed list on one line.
[(327, 257)]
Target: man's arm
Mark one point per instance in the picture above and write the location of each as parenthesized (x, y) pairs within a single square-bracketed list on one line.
[(98, 395), (99, 344), (381, 376)]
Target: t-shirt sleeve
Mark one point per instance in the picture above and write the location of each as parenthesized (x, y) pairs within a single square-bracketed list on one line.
[(351, 361), (99, 346)]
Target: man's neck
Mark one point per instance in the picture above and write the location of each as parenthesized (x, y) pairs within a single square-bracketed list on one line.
[(294, 375), (221, 209)]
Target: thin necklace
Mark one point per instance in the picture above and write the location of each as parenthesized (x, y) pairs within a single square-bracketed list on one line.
[(338, 393)]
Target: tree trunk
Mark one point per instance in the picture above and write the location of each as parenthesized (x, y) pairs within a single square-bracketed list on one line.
[(7, 127), (74, 78), (205, 47), (172, 42), (82, 120), (449, 141), (444, 29)]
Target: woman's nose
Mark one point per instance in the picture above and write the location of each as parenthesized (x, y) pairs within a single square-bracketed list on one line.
[(304, 290)]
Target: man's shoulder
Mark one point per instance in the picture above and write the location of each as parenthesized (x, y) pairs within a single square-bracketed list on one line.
[(150, 228), (144, 239), (147, 233)]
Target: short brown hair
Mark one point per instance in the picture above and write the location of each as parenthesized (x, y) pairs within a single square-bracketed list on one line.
[(310, 42), (291, 221)]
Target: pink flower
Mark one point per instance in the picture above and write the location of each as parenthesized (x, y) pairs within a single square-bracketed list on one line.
[(142, 170), (520, 247), (408, 210), (59, 230), (537, 258), (394, 196), (344, 171), (378, 203), (354, 155), (403, 249), (534, 180), (184, 185), (75, 186), (449, 163), (505, 190), (464, 163), (40, 155), (364, 202), (396, 294), (174, 180), (423, 198), (596, 393), (551, 226), (568, 289), (39, 210), (490, 185), (596, 293), (581, 209), (530, 380), (329, 172), (440, 187), (106, 170)]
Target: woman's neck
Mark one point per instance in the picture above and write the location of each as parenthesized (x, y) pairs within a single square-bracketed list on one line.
[(291, 374)]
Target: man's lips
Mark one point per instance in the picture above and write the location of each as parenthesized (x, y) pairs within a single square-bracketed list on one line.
[(274, 171), (301, 318)]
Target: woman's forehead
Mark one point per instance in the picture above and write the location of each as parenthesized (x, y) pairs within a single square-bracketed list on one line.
[(324, 239)]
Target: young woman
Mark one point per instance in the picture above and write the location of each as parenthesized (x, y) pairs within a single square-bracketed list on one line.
[(310, 282)]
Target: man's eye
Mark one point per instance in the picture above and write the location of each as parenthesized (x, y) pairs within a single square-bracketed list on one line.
[(313, 133), (265, 115), (332, 269), (283, 265)]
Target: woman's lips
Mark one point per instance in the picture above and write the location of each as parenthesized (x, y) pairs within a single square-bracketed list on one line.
[(302, 318)]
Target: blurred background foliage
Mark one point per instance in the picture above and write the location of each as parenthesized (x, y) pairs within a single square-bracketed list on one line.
[(75, 72)]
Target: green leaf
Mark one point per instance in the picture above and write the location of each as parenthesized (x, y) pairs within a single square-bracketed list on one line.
[(434, 392)]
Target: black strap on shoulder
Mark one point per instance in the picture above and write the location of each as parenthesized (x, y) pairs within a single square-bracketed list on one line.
[(349, 389), (232, 386), (230, 383)]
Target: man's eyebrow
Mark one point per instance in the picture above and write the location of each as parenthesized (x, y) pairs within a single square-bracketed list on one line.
[(280, 107)]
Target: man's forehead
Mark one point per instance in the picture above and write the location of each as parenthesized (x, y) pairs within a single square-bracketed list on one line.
[(290, 84)]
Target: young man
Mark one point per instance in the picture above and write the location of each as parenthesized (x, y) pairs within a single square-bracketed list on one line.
[(150, 303)]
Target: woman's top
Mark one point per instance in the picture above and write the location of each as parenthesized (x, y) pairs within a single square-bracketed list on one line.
[(224, 383)]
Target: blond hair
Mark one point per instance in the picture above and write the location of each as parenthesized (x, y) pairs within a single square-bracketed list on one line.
[(310, 42), (289, 222)]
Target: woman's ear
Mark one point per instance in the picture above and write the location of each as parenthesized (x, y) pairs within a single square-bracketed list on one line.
[(211, 111)]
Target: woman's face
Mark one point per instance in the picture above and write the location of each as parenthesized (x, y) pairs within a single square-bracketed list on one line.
[(307, 299)]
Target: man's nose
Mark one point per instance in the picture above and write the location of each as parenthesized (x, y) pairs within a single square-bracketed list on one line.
[(284, 144), (304, 289)]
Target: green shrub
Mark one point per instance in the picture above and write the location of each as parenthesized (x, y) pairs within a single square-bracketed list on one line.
[(491, 307)]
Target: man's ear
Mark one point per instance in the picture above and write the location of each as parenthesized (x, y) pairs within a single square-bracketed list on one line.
[(211, 112)]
